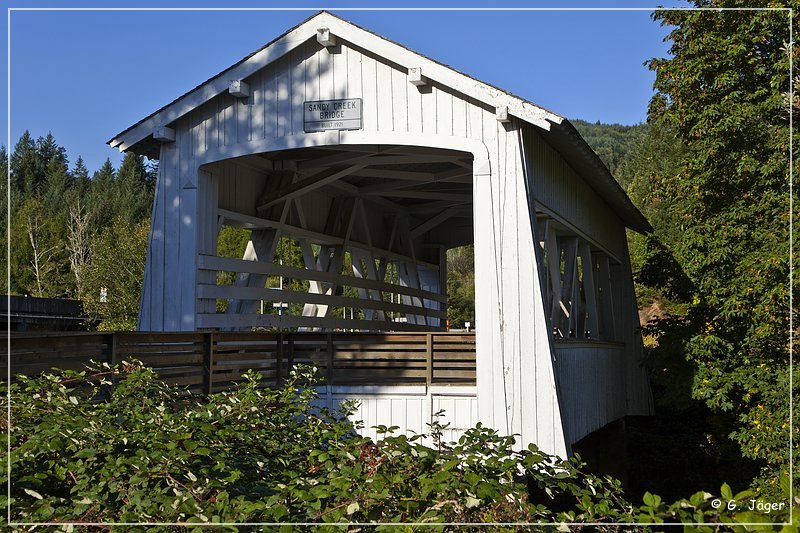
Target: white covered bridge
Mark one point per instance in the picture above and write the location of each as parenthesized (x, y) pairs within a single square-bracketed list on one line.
[(371, 156)]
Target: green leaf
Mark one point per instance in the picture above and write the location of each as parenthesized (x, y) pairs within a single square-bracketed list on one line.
[(725, 492), (786, 488)]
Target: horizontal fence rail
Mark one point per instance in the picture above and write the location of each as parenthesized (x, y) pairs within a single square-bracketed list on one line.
[(214, 361)]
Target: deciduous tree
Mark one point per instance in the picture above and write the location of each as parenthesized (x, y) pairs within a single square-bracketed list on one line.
[(722, 93), (117, 265)]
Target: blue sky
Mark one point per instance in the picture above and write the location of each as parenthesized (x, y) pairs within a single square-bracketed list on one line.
[(86, 75)]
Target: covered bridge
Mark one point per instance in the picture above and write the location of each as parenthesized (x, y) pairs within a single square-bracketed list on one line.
[(370, 155)]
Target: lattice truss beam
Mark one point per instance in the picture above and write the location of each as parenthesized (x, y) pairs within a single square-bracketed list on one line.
[(372, 224), (579, 283)]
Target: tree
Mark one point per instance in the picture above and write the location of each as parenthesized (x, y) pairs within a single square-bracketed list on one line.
[(461, 286), (58, 182), (80, 177), (114, 274), (44, 249), (101, 199), (4, 198), (24, 178), (78, 243), (47, 149), (612, 143), (652, 166), (722, 93), (133, 193)]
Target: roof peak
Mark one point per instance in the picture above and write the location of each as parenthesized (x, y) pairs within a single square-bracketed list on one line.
[(380, 46)]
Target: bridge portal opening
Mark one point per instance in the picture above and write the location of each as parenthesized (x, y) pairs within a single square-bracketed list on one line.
[(333, 238)]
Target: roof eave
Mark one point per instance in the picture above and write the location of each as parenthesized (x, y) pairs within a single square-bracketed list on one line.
[(215, 85), (566, 139)]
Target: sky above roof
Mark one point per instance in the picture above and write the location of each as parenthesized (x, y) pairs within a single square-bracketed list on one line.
[(85, 75)]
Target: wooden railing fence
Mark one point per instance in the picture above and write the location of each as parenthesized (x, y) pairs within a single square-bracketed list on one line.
[(214, 361)]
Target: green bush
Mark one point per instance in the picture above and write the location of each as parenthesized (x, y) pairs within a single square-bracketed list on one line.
[(115, 444)]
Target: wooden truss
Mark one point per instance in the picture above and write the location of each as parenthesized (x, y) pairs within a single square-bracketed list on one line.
[(578, 285)]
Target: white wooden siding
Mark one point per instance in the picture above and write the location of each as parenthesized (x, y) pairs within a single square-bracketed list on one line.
[(592, 380), (511, 323), (390, 103), (412, 409)]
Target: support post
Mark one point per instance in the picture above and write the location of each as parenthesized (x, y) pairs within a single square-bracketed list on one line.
[(516, 382)]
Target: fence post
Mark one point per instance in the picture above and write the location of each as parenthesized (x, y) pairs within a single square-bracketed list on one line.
[(279, 358), (112, 348), (429, 358), (111, 357), (208, 362), (329, 369), (290, 355)]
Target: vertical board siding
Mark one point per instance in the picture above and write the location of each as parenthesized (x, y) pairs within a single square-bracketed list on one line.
[(460, 414), (309, 72), (298, 89), (411, 413), (269, 104), (640, 397), (512, 336), (414, 108), (400, 101), (283, 92), (384, 102), (369, 88), (444, 112), (352, 86), (171, 235), (227, 119), (588, 374), (240, 187), (170, 272)]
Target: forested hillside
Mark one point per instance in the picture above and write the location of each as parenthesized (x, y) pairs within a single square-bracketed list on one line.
[(614, 143)]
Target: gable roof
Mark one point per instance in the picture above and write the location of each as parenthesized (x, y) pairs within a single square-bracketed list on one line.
[(555, 129)]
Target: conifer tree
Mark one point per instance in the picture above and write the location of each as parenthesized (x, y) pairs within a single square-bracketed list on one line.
[(101, 199), (58, 182), (132, 199), (80, 177), (23, 169)]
